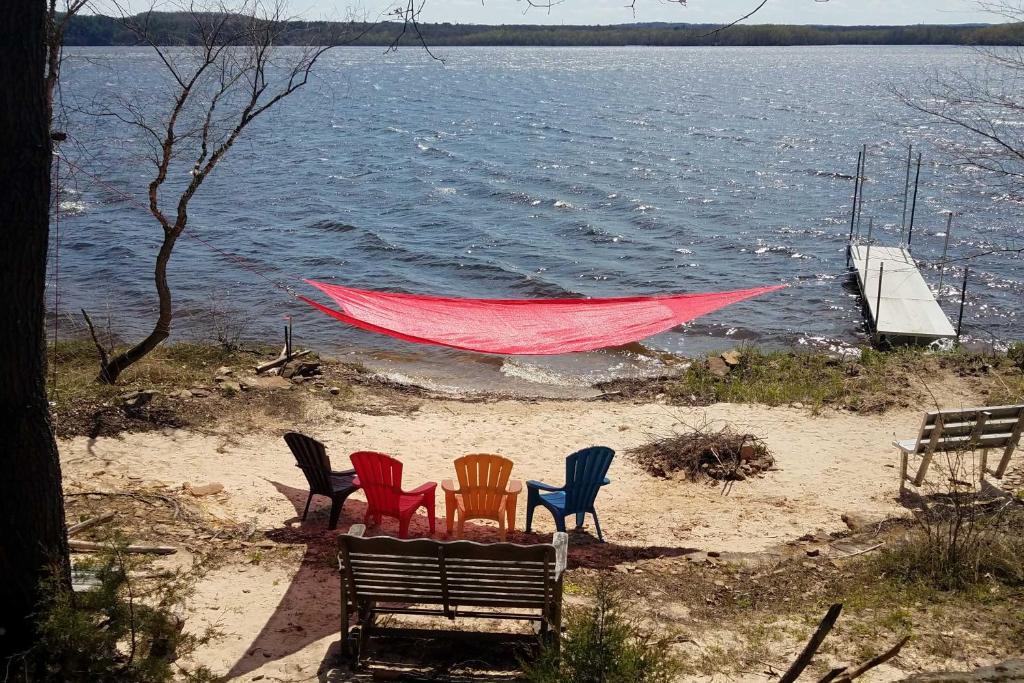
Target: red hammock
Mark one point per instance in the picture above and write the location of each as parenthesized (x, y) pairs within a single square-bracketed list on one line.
[(521, 326)]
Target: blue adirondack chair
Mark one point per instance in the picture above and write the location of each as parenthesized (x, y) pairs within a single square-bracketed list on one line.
[(585, 472)]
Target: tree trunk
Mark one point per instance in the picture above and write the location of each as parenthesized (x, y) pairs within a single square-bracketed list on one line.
[(31, 501), (110, 371)]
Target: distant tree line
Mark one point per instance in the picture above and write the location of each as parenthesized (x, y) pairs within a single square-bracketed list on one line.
[(174, 28)]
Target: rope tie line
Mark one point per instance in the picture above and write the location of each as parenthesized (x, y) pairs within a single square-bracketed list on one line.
[(240, 261)]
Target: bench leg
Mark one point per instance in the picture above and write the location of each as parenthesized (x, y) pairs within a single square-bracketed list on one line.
[(984, 466), (903, 471), (922, 471)]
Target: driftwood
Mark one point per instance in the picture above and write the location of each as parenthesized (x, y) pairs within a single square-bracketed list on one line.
[(92, 547), (844, 674), (280, 360), (89, 523), (797, 667)]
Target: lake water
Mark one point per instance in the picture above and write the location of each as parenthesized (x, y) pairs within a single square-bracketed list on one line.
[(547, 172)]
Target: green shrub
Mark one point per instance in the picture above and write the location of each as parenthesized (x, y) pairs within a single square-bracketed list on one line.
[(124, 630), (600, 645)]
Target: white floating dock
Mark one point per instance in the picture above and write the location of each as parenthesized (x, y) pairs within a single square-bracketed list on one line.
[(907, 311)]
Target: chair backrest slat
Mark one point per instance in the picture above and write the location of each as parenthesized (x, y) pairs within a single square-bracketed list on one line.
[(380, 477), (585, 471), (311, 456), (450, 574), (483, 481), (986, 427)]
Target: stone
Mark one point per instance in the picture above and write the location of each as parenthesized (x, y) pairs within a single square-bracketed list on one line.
[(718, 367), (335, 391), (224, 371), (184, 393), (859, 522), (731, 358), (200, 392), (269, 382), (134, 400), (798, 405), (204, 489), (1012, 670), (813, 552)]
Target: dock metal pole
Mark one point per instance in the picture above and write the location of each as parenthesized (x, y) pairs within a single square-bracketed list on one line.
[(863, 178), (867, 254), (945, 250), (878, 302), (963, 298), (913, 206), (856, 192), (906, 191)]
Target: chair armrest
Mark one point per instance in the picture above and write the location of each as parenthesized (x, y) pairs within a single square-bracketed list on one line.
[(422, 488), (355, 481), (561, 542), (515, 487), (449, 486), (345, 473), (542, 486)]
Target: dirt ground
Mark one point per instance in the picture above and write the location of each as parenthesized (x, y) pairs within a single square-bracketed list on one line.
[(694, 556)]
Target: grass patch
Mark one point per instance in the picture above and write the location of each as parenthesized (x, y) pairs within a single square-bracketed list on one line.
[(873, 382)]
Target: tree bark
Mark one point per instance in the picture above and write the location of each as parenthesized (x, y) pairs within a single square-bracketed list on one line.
[(110, 371), (31, 501)]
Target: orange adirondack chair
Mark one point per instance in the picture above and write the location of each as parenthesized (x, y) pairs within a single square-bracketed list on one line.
[(380, 476), (484, 492)]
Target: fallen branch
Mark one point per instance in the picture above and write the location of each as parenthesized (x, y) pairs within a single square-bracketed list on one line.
[(279, 361), (861, 552), (89, 523), (92, 547), (847, 674), (797, 667)]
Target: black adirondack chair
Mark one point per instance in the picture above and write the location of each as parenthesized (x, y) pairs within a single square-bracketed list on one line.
[(311, 458)]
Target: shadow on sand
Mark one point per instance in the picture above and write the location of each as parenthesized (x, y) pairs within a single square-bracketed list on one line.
[(310, 608)]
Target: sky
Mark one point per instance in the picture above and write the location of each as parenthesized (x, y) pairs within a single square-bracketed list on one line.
[(844, 12)]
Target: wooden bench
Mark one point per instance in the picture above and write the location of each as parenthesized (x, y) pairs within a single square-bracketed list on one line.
[(945, 431), (384, 575)]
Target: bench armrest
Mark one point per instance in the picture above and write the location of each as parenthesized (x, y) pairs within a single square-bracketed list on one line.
[(561, 542), (542, 486), (356, 530)]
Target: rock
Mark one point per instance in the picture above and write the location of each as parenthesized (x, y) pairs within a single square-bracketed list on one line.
[(230, 387), (718, 367), (224, 371), (858, 522), (184, 393), (714, 553), (813, 552), (134, 400), (731, 358), (269, 382), (747, 452), (204, 489), (335, 391), (200, 392), (798, 405)]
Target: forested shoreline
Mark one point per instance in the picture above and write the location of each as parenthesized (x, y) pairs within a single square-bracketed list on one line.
[(173, 28)]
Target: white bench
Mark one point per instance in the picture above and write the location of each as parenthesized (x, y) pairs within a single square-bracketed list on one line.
[(944, 431)]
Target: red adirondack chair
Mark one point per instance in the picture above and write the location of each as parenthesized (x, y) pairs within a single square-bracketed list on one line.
[(380, 477)]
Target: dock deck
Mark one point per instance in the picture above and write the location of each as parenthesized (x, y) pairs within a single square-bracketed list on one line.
[(906, 311)]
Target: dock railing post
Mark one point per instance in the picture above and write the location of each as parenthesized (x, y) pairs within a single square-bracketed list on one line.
[(945, 250), (853, 209), (878, 302), (913, 205), (867, 253), (863, 178), (963, 298), (906, 192)]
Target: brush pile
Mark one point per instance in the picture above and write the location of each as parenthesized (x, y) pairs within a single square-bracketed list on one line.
[(704, 454)]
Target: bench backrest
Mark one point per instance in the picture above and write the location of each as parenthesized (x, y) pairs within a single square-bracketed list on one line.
[(972, 428), (451, 574)]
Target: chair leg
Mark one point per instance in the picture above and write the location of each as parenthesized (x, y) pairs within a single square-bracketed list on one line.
[(449, 512), (460, 527), (306, 510), (597, 525), (510, 513), (336, 505), (531, 505), (581, 517), (502, 535), (430, 503), (559, 523)]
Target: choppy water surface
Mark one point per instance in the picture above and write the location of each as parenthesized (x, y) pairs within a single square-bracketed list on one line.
[(521, 172)]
